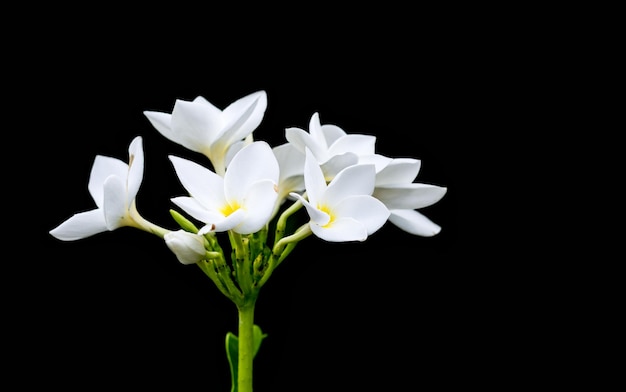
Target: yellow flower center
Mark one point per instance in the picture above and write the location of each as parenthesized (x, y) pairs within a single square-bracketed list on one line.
[(229, 208), (327, 210)]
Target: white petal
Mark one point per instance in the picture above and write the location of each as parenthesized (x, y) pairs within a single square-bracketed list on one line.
[(379, 161), (353, 180), (414, 222), (201, 183), (409, 196), (115, 207), (290, 160), (102, 168), (313, 178), (196, 210), (399, 171), (317, 216), (195, 124), (367, 210), (162, 123), (358, 144), (230, 222), (232, 150), (301, 140), (81, 225), (337, 163), (243, 116), (135, 169), (331, 133), (254, 162), (259, 205), (341, 230), (315, 130)]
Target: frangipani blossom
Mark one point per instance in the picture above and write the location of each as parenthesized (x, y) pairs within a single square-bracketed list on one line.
[(342, 210), (242, 200), (113, 185), (201, 127), (333, 148), (396, 189)]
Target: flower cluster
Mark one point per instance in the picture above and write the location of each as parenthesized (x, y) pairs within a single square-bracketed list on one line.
[(348, 189)]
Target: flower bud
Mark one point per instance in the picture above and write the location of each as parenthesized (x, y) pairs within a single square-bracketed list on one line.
[(188, 247)]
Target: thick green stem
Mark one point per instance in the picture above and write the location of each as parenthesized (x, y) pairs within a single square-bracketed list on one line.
[(246, 347)]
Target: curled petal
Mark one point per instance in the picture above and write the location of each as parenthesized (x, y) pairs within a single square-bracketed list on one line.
[(398, 171), (341, 230), (102, 168), (337, 163), (196, 124), (81, 225), (358, 144), (135, 169), (409, 196), (242, 117), (115, 206), (229, 222), (365, 209), (353, 180), (317, 216), (414, 222)]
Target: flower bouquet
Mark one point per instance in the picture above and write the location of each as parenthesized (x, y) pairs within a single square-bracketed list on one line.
[(238, 220)]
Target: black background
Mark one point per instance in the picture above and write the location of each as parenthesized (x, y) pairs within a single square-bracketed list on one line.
[(117, 309)]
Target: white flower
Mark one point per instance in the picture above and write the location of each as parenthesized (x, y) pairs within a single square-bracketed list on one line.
[(201, 127), (333, 148), (188, 248), (344, 209), (242, 201), (113, 185), (396, 189)]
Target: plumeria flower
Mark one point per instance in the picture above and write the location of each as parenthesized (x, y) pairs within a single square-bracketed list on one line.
[(242, 200), (188, 248), (394, 186), (333, 148), (218, 134), (113, 185), (342, 210)]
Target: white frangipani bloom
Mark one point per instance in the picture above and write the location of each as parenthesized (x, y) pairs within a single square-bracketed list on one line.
[(342, 210), (242, 200), (113, 185), (218, 134), (333, 148), (188, 248), (396, 189)]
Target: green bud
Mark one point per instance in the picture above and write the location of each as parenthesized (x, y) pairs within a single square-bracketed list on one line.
[(184, 223)]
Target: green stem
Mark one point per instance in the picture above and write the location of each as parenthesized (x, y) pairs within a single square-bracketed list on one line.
[(246, 347)]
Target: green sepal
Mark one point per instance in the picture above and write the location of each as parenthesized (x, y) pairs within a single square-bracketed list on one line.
[(232, 351), (183, 222)]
